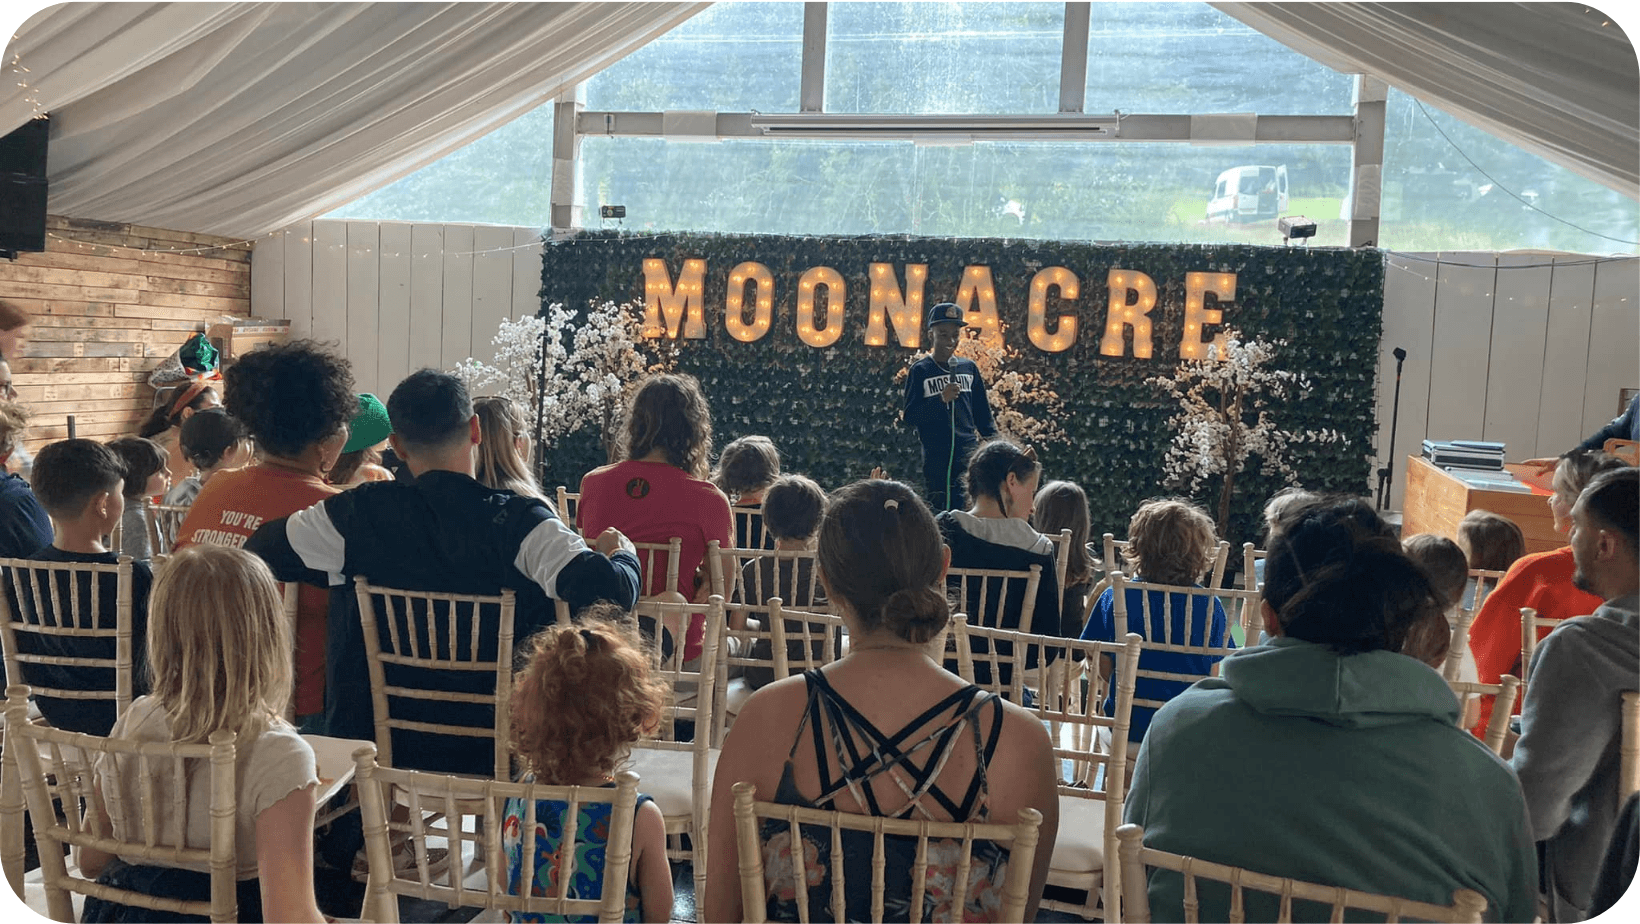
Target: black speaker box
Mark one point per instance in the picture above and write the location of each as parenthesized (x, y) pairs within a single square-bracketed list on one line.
[(23, 188)]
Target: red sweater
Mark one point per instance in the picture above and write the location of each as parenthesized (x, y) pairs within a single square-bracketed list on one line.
[(656, 502), (1542, 581)]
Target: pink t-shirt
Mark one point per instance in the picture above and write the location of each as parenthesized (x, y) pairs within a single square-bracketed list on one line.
[(656, 502)]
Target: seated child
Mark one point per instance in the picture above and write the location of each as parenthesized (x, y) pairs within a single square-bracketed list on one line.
[(198, 692), (1490, 543), (1170, 541), (1058, 506), (25, 528), (792, 508), (212, 441), (567, 738), (746, 469), (80, 483), (1429, 641), (146, 475)]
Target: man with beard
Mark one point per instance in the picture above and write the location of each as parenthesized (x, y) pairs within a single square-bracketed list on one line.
[(1568, 754)]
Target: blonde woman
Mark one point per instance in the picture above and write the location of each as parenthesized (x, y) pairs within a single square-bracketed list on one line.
[(197, 691), (504, 450)]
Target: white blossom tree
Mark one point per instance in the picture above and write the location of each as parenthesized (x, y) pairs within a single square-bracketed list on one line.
[(1225, 416), (565, 372)]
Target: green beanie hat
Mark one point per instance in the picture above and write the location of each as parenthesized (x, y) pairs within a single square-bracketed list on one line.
[(368, 427)]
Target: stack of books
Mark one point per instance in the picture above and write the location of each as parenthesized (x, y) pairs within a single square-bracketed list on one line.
[(1465, 454)]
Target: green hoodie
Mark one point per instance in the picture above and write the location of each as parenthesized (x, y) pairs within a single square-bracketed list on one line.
[(1340, 770)]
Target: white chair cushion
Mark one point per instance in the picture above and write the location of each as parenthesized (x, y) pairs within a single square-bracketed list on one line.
[(668, 777), (1080, 846), (736, 695)]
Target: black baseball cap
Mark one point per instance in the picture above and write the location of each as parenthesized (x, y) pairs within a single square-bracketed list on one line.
[(946, 313)]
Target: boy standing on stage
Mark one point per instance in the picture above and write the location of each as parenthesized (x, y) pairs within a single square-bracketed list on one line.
[(945, 400)]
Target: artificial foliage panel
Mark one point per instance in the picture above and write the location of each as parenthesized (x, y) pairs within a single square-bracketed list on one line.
[(833, 411)]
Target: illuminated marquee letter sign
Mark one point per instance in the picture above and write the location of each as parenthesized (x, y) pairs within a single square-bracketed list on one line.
[(680, 306), (734, 314), (888, 306), (1196, 314), (1125, 283), (1052, 277), (978, 286), (832, 281)]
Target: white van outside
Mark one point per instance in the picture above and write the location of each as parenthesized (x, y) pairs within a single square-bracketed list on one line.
[(1250, 193)]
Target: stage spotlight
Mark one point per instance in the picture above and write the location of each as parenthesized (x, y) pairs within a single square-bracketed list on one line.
[(1293, 226)]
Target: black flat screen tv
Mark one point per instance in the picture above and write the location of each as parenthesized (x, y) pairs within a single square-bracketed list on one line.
[(23, 188)]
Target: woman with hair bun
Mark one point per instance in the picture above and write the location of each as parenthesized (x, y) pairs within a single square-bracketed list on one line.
[(940, 749), (1370, 784)]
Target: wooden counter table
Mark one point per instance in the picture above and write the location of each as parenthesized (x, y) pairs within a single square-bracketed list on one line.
[(1436, 502)]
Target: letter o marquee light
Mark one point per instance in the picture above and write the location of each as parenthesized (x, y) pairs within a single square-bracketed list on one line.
[(836, 291), (734, 317)]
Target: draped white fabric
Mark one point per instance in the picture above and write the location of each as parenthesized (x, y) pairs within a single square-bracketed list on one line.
[(1558, 79), (239, 118)]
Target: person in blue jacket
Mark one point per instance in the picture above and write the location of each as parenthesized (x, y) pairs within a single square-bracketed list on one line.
[(945, 400)]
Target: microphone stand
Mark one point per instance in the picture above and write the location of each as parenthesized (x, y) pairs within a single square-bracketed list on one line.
[(1385, 474)]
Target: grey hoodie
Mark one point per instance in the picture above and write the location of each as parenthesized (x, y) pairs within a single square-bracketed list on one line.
[(1567, 756), (1340, 770)]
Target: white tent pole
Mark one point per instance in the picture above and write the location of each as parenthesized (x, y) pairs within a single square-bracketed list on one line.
[(1073, 58), (1367, 161), (566, 161), (812, 95)]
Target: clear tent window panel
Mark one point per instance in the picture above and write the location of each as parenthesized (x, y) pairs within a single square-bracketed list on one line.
[(503, 178), (943, 57), (1449, 186), (1189, 57), (730, 57), (1099, 191)]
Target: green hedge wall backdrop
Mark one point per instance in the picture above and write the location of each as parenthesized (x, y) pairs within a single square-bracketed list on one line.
[(833, 411)]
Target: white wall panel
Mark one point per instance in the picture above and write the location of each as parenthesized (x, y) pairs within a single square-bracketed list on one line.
[(1614, 331), (1565, 357), (393, 308), (492, 286), (364, 303), (1462, 345), (1514, 383)]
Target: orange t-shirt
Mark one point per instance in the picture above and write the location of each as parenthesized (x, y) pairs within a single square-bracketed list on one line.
[(1542, 581), (228, 510)]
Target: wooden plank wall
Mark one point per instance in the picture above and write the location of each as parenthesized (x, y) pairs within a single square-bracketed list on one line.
[(1528, 349), (397, 296), (110, 301)]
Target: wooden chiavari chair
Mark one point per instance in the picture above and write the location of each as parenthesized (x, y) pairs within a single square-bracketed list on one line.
[(457, 798), (1091, 750), (55, 764), (680, 770), (1020, 839), (1467, 905), (1506, 692), (51, 621)]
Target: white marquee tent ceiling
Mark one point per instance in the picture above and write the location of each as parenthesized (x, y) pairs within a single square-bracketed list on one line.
[(1558, 79), (239, 118)]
